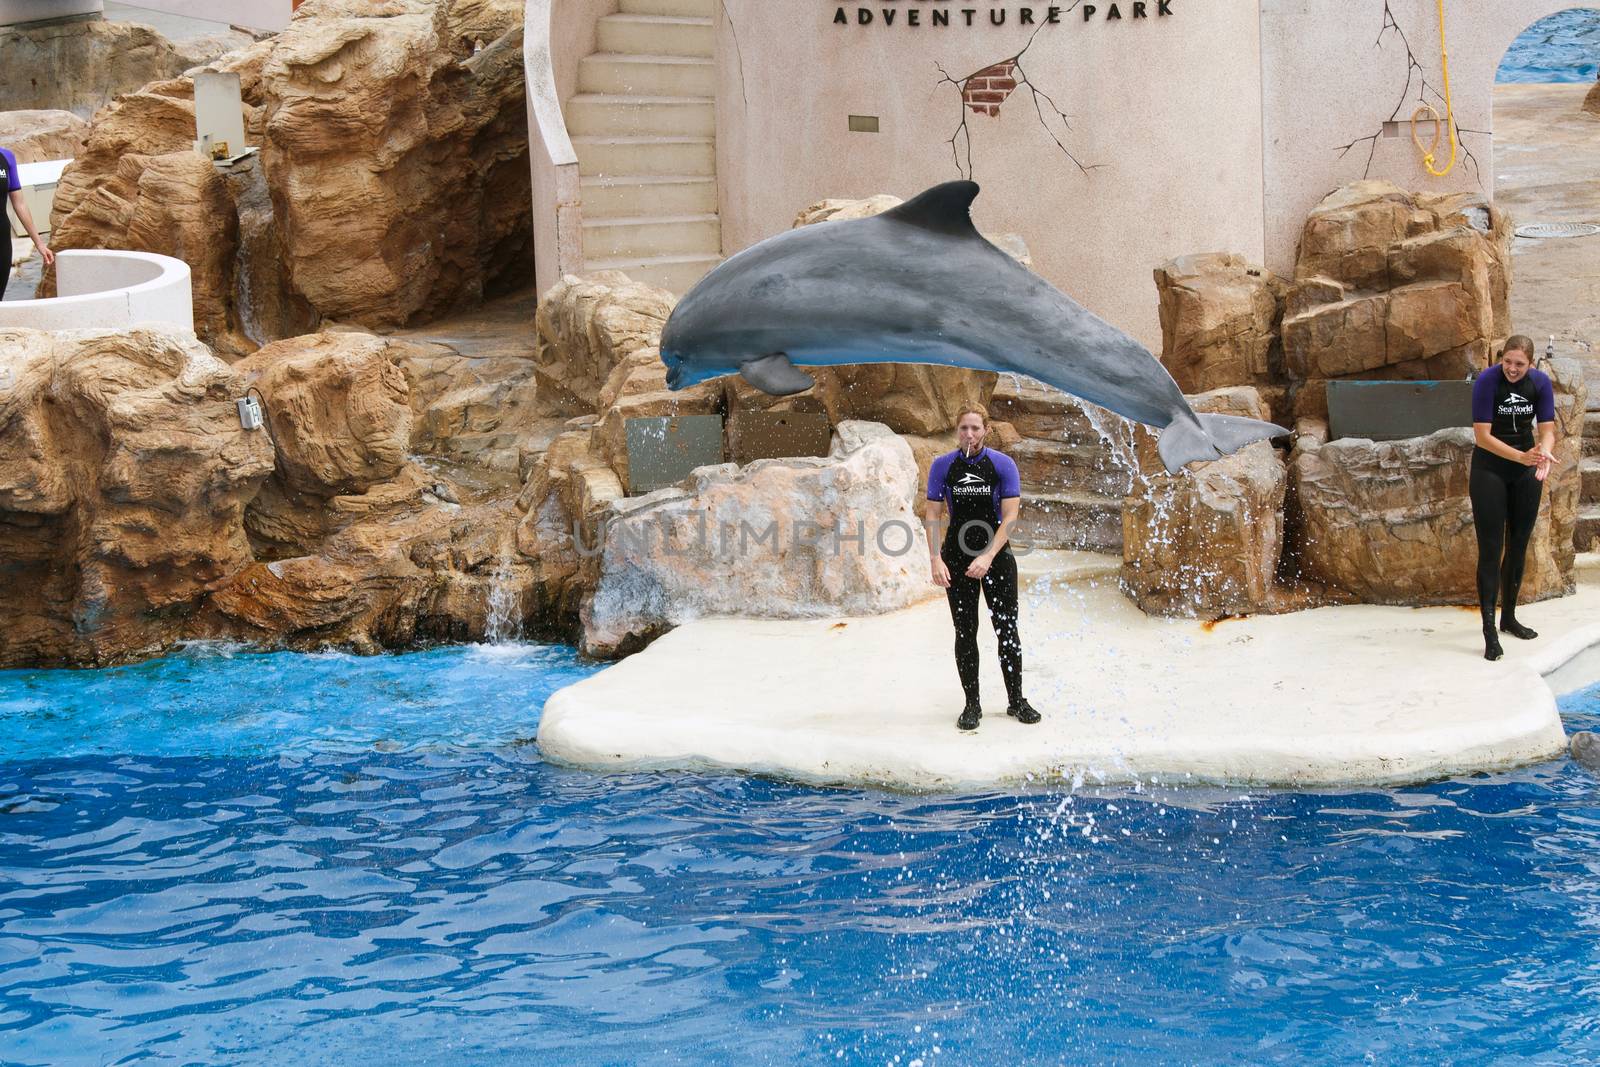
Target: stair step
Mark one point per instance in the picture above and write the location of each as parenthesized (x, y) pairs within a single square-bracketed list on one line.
[(648, 74), (673, 194), (1586, 534), (1047, 465), (1589, 466), (656, 34), (683, 8), (599, 114), (642, 237), (1038, 411), (1085, 521), (675, 274), (613, 156)]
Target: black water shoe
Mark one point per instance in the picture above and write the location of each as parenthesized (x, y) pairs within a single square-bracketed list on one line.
[(969, 717), (1023, 712), (1517, 630), (1491, 646)]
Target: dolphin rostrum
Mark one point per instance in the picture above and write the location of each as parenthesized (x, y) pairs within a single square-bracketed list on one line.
[(918, 284)]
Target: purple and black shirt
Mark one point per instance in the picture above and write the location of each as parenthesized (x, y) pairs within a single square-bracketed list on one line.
[(972, 489), (1511, 408), (10, 182)]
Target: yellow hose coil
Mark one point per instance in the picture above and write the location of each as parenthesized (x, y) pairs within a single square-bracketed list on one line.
[(1449, 109)]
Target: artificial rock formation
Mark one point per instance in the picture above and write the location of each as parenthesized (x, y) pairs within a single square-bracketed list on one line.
[(33, 136), (178, 205), (472, 409), (1219, 322), (780, 538), (1391, 522), (756, 540), (1591, 101), (586, 326), (1206, 543), (392, 184), (1387, 284), (338, 409), (124, 476), (138, 184), (356, 544), (397, 156), (80, 65), (637, 389), (1390, 284)]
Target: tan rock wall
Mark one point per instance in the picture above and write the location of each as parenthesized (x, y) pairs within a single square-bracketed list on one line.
[(124, 476), (397, 163), (1206, 543), (1219, 322), (79, 66), (1390, 284), (1391, 522), (33, 136), (759, 541), (586, 326), (392, 185)]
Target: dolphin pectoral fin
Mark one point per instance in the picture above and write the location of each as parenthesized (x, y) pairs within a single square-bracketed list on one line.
[(775, 374), (1210, 437)]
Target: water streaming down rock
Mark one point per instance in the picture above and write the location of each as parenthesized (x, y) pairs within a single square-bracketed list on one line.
[(504, 624)]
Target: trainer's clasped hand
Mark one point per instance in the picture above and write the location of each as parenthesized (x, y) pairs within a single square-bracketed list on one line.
[(979, 567)]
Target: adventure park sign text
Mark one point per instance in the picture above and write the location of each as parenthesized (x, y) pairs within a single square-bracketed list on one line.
[(913, 13)]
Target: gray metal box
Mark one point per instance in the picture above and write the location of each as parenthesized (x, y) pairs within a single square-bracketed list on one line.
[(754, 435), (662, 451), (1389, 411)]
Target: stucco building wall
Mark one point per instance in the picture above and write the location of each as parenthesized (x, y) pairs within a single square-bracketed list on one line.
[(1332, 73), (1214, 128), (1165, 110)]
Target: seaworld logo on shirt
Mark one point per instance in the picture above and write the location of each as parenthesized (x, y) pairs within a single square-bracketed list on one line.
[(1516, 404)]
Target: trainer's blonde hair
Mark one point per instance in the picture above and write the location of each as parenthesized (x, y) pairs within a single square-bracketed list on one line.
[(973, 409)]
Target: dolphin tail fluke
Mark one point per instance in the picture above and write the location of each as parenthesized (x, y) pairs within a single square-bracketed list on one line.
[(1211, 437)]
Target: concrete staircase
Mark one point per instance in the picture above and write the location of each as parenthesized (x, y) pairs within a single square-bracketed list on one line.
[(643, 124), (1073, 481), (1587, 535)]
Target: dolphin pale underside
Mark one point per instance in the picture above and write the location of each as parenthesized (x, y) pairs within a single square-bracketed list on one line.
[(919, 284)]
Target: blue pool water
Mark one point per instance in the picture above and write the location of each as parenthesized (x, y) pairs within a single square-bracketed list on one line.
[(1564, 47), (225, 858)]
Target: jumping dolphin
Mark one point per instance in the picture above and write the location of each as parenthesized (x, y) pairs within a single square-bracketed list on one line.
[(918, 284)]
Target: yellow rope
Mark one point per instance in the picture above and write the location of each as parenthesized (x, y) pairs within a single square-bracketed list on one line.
[(1449, 108)]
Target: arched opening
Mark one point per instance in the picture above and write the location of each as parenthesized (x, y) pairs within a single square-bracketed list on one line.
[(1547, 153)]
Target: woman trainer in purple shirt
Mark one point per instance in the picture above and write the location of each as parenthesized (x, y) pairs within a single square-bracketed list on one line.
[(11, 184), (977, 493), (1509, 400)]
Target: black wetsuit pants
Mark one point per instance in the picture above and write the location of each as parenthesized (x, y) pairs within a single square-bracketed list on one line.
[(1505, 506), (1000, 590)]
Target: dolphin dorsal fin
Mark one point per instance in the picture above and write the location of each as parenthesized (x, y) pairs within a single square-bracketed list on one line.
[(944, 208)]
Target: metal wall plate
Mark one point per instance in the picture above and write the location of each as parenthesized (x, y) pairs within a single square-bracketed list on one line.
[(1389, 411), (663, 451), (754, 435), (1558, 229)]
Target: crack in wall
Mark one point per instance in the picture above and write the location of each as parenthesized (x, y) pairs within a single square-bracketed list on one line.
[(1424, 88), (986, 90)]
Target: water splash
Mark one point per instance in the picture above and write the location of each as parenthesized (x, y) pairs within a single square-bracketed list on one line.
[(504, 624)]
